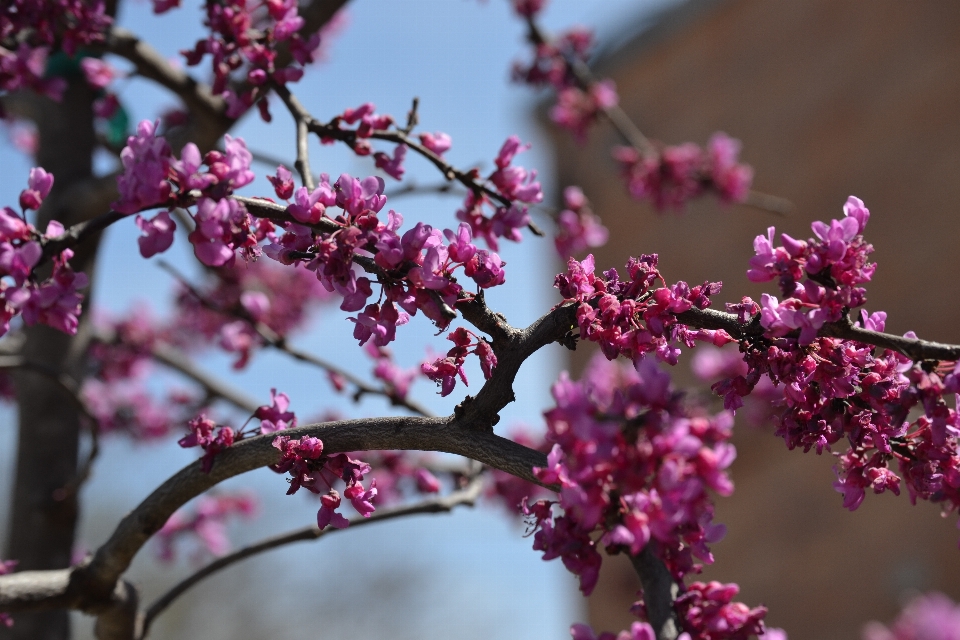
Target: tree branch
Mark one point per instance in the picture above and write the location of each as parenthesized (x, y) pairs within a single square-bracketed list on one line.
[(443, 504), (914, 349), (659, 593), (151, 64)]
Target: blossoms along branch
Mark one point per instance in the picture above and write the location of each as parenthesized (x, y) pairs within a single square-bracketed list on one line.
[(628, 463)]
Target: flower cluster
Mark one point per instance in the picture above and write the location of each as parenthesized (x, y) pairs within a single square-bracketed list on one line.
[(835, 389), (445, 371), (834, 263), (30, 30), (244, 45), (631, 318), (126, 406), (207, 523), (634, 466), (680, 173), (931, 616), (709, 613), (577, 227), (201, 435), (150, 175), (54, 301), (493, 210), (397, 381), (415, 269), (310, 469), (580, 101), (400, 473), (237, 297), (516, 185)]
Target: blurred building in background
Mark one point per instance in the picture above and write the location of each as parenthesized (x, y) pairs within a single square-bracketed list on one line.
[(830, 98)]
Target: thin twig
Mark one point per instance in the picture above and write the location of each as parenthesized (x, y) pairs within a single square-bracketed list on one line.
[(466, 496), (300, 118)]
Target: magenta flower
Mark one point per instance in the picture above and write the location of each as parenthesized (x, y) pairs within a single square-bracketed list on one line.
[(392, 166), (157, 234), (97, 72), (282, 183), (362, 500), (275, 417), (146, 161), (38, 188), (328, 515), (437, 142)]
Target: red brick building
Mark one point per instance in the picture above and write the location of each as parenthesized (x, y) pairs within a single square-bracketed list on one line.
[(830, 98)]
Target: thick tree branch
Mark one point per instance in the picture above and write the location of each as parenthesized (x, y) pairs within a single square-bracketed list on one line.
[(442, 504), (660, 591), (151, 64)]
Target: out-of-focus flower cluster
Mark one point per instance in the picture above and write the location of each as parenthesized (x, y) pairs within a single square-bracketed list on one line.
[(207, 523), (30, 30), (634, 466), (677, 174), (632, 318), (238, 296), (553, 64), (7, 566), (932, 616), (578, 229)]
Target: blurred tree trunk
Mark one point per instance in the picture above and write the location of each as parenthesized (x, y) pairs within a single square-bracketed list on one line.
[(44, 513)]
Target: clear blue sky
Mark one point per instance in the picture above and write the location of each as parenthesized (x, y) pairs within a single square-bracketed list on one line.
[(470, 575)]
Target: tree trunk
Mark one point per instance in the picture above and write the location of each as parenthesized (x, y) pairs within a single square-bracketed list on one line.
[(44, 513)]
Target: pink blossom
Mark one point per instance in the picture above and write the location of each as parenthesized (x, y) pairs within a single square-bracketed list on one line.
[(328, 515), (362, 500), (146, 160), (157, 234), (38, 188), (276, 417), (97, 72), (438, 142), (392, 166), (282, 183)]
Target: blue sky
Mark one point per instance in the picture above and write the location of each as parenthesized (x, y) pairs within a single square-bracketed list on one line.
[(467, 575)]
